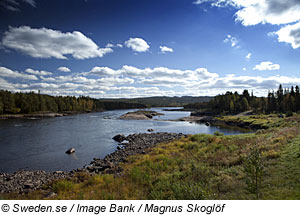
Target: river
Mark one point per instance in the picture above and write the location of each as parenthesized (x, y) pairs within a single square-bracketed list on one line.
[(40, 144)]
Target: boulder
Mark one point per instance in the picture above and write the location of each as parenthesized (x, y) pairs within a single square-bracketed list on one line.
[(70, 151), (207, 124), (150, 130), (119, 138)]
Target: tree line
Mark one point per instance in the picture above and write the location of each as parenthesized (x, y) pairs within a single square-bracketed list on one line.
[(280, 101), (13, 103)]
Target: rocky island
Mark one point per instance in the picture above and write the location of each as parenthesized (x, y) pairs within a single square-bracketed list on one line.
[(140, 115)]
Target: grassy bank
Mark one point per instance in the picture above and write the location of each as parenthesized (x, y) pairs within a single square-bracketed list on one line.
[(263, 165)]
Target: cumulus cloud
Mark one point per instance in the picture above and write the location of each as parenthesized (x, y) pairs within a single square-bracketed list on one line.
[(165, 49), (37, 72), (266, 66), (275, 12), (103, 71), (5, 72), (232, 40), (48, 43), (14, 5), (137, 44), (63, 69), (290, 34), (129, 81)]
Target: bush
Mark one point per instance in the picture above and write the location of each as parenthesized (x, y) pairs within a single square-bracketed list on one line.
[(62, 186), (254, 170), (217, 133)]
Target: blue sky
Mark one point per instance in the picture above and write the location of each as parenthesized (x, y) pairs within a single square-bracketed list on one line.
[(137, 48)]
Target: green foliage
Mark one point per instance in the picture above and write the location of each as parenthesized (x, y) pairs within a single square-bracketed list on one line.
[(62, 186), (218, 133), (254, 171), (12, 103), (281, 101)]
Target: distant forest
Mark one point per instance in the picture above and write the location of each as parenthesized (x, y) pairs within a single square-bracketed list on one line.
[(12, 103), (165, 101), (281, 101)]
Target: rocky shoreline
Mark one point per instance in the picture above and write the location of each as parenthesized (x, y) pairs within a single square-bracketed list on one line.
[(27, 181)]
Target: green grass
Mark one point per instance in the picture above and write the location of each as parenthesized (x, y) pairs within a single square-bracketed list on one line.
[(200, 166)]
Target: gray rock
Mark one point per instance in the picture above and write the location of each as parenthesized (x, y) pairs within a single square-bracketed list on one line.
[(70, 151), (119, 138)]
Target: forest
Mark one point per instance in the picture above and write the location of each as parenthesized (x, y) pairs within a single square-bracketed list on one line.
[(280, 101), (14, 103)]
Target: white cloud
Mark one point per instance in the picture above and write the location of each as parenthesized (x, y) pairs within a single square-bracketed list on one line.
[(232, 40), (248, 56), (103, 71), (129, 81), (266, 66), (244, 69), (14, 5), (37, 72), (253, 12), (47, 79), (63, 69), (48, 43), (5, 72), (290, 34), (275, 12), (110, 45), (137, 44), (165, 49), (198, 2)]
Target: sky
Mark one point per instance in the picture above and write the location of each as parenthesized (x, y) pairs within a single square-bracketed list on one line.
[(142, 48)]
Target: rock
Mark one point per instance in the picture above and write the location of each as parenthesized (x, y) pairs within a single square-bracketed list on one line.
[(50, 195), (70, 151), (28, 185), (207, 124), (119, 138), (119, 148), (150, 130), (58, 172)]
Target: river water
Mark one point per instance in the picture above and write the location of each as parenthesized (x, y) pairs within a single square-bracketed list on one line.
[(40, 144)]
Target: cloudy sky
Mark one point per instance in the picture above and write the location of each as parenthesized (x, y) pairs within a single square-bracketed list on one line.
[(137, 48)]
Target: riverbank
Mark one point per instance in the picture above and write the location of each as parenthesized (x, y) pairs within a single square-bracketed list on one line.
[(40, 115), (27, 181)]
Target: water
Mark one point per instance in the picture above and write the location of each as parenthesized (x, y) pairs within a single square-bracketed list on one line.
[(40, 144)]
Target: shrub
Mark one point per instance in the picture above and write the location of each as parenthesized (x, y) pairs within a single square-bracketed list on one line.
[(217, 133), (62, 186), (254, 170)]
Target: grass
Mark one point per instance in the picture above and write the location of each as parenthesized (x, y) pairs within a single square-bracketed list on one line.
[(200, 166), (262, 120)]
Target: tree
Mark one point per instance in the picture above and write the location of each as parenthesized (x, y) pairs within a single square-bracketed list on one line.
[(254, 171)]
